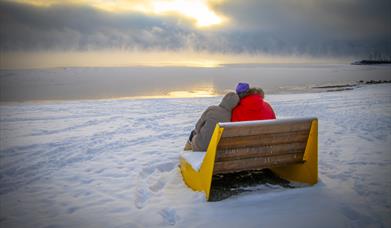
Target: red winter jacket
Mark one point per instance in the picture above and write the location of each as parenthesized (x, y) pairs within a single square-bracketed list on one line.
[(252, 107)]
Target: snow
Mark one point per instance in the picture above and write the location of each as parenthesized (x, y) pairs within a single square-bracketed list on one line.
[(114, 163), (194, 158)]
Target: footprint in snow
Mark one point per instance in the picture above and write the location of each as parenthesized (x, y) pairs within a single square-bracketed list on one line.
[(169, 215), (147, 171), (142, 195), (100, 171), (166, 167), (160, 167), (72, 209), (357, 218), (157, 186)]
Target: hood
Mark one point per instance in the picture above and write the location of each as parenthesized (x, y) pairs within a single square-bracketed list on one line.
[(253, 101), (230, 100)]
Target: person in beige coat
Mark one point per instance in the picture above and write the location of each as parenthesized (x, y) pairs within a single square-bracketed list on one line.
[(201, 135)]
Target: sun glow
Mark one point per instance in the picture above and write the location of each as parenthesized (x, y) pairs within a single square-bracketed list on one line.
[(199, 11)]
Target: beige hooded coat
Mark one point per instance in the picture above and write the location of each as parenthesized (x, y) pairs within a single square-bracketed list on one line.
[(213, 115)]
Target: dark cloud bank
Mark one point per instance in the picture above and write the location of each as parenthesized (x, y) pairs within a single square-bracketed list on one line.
[(318, 28)]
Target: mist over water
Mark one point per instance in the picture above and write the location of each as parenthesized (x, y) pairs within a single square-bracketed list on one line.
[(119, 82)]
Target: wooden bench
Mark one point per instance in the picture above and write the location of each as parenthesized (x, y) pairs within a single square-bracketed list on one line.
[(289, 147)]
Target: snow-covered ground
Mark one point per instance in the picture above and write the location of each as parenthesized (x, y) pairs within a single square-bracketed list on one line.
[(113, 163)]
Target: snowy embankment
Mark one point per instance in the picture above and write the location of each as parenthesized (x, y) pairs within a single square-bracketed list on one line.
[(113, 163)]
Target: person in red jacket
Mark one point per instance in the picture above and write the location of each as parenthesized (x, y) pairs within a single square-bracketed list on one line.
[(252, 106)]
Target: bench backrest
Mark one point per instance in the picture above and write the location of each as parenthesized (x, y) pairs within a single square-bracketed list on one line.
[(254, 145)]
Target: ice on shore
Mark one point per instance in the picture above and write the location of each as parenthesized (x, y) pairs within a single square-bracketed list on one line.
[(114, 163)]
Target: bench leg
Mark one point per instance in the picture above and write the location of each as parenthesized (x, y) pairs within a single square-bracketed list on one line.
[(307, 172), (202, 180)]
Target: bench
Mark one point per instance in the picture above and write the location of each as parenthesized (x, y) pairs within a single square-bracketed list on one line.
[(289, 147)]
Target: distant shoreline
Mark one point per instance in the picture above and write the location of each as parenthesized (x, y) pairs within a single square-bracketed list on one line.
[(371, 62)]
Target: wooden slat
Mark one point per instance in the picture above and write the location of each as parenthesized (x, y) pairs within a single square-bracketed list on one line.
[(256, 163), (267, 128), (262, 151), (263, 139)]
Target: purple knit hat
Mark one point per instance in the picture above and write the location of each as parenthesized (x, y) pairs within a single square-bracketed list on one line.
[(242, 87)]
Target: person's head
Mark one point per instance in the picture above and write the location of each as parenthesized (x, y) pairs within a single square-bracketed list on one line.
[(256, 91), (242, 89), (230, 100)]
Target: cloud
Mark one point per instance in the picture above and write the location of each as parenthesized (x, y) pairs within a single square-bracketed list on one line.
[(72, 27), (333, 26), (308, 27)]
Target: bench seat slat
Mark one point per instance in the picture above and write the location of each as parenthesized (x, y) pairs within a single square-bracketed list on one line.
[(265, 128), (256, 163), (264, 151), (263, 139)]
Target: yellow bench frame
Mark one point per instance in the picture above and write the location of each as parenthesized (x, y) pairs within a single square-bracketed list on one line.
[(305, 171)]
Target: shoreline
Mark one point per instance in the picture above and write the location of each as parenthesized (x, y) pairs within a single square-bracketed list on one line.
[(307, 89)]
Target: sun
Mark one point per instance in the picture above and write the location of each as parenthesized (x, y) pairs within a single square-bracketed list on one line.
[(197, 10)]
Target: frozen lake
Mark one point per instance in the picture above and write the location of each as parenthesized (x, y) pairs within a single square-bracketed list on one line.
[(116, 82)]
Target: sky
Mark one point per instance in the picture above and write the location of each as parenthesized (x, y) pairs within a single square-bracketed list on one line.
[(39, 33)]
